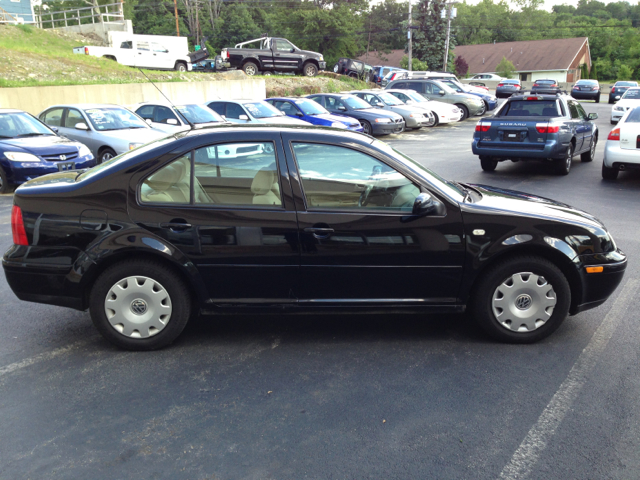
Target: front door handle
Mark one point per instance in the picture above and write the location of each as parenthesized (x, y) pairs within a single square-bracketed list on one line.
[(319, 232), (175, 227)]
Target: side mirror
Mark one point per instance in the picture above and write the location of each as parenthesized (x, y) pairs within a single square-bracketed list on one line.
[(425, 205), (243, 117), (148, 120), (343, 108), (82, 126), (55, 129), (172, 121), (441, 93), (593, 116)]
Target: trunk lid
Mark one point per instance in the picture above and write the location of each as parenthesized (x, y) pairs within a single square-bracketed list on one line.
[(630, 136)]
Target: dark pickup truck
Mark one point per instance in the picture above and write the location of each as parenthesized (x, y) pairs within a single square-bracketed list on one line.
[(551, 128), (273, 55)]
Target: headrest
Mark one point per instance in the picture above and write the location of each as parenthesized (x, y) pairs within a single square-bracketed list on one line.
[(263, 181), (166, 177)]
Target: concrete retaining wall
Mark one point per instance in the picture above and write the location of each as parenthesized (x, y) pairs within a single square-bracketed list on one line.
[(36, 99)]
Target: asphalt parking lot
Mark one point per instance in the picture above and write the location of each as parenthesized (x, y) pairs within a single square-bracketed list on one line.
[(339, 397)]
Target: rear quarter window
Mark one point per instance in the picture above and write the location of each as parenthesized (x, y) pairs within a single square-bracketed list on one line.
[(530, 108)]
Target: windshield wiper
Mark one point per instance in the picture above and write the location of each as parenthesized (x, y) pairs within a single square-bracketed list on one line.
[(32, 134)]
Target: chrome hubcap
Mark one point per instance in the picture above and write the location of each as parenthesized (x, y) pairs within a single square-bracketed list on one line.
[(524, 302), (250, 70), (138, 307), (593, 149)]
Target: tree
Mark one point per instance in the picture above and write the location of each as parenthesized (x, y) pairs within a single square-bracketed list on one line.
[(625, 73), (430, 37), (417, 65), (584, 72), (594, 71), (461, 67), (384, 24), (505, 68)]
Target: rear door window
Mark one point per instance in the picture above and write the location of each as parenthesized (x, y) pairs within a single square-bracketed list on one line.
[(53, 117)]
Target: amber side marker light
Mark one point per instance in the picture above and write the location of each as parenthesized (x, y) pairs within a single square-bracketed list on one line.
[(595, 269)]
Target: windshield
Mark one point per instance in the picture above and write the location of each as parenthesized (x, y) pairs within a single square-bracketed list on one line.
[(20, 124), (634, 116), (445, 87), (355, 102), (198, 114), (632, 93), (113, 118), (447, 187), (309, 107), (390, 99), (626, 84), (124, 156), (262, 110), (415, 96), (453, 85)]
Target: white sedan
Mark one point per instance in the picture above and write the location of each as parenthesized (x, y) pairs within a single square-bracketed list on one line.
[(442, 112), (622, 150), (487, 76), (630, 99)]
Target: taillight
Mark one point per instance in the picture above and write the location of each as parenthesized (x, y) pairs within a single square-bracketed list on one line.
[(575, 87), (536, 85), (594, 88), (501, 85), (547, 128), (224, 53), (554, 85), (614, 135), (17, 227), (532, 98), (86, 50), (482, 127), (613, 90)]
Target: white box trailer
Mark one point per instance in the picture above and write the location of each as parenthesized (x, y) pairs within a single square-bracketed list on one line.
[(177, 45)]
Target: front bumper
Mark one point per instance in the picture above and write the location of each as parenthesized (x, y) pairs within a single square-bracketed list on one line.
[(411, 122), (614, 156), (616, 115), (322, 65), (387, 128), (507, 150), (21, 172), (598, 287)]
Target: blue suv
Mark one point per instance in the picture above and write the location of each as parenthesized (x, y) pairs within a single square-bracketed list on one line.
[(314, 113), (29, 149)]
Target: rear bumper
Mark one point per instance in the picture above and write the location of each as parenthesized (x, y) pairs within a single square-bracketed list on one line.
[(585, 95), (504, 150), (598, 287), (506, 93), (615, 156)]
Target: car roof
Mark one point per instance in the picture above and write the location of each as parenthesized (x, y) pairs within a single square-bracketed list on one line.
[(11, 110), (511, 80), (84, 106)]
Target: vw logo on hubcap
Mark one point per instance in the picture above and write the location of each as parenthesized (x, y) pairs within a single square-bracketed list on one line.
[(523, 302), (139, 306)]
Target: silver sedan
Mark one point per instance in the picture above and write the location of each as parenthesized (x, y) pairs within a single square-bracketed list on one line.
[(414, 117), (108, 130), (621, 151)]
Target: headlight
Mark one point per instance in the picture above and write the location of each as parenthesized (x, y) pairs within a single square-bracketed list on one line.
[(21, 157), (338, 125), (619, 109), (321, 58), (416, 115), (383, 120), (84, 151), (134, 145)]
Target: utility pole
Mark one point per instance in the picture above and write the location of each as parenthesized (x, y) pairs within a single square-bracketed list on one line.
[(409, 36), (175, 7), (450, 13)]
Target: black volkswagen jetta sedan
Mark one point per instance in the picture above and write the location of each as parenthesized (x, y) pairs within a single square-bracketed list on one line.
[(297, 219)]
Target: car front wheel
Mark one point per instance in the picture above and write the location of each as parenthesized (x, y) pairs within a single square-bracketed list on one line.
[(589, 155), (105, 155), (367, 127), (140, 305), (464, 111), (521, 300)]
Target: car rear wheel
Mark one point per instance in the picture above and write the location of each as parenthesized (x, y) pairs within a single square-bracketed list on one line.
[(609, 173), (140, 305), (563, 166), (487, 164), (105, 155), (521, 300), (5, 187), (250, 69), (310, 70), (437, 120), (465, 111), (591, 153)]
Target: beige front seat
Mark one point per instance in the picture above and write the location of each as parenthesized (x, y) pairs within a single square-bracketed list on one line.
[(168, 185), (265, 188)]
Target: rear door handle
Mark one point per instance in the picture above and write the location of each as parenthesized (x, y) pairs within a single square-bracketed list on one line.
[(175, 227), (319, 232)]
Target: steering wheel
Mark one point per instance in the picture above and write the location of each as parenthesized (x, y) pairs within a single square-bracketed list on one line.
[(375, 176)]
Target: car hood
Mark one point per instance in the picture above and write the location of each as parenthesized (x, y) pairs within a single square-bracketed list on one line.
[(45, 145), (405, 109), (134, 135), (512, 202), (338, 119), (281, 121)]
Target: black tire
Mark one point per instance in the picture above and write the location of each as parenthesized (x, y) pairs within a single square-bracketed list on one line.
[(609, 173), (310, 70), (368, 129), (487, 164), (486, 298), (590, 154), (181, 67), (610, 101), (613, 122), (179, 297), (250, 69), (105, 155), (597, 100), (435, 115), (464, 110), (5, 186), (563, 165), (336, 68)]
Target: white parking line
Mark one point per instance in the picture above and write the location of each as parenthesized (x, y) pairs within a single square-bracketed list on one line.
[(526, 456), (39, 358)]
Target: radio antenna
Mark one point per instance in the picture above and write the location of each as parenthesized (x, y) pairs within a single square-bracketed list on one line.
[(170, 102)]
